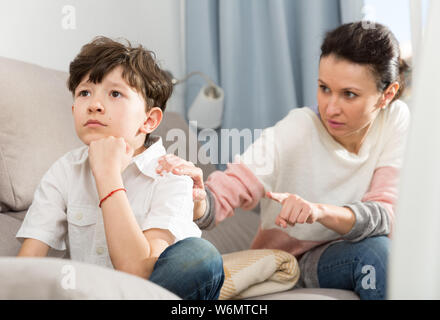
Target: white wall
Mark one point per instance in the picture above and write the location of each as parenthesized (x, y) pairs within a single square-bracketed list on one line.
[(40, 32)]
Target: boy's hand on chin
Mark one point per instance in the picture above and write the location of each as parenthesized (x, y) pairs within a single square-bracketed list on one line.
[(109, 155)]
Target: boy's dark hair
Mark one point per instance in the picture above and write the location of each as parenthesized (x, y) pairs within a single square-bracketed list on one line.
[(375, 46), (140, 70)]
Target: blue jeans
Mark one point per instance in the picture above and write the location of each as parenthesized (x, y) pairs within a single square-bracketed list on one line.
[(191, 268), (357, 266)]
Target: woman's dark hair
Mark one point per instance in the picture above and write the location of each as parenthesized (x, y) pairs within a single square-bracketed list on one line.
[(369, 44)]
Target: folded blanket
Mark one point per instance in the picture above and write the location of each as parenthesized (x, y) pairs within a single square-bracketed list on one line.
[(252, 273)]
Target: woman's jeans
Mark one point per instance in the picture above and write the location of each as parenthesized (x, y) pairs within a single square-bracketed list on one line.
[(191, 268), (357, 266)]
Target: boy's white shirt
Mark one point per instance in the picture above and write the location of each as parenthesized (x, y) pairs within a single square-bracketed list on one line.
[(65, 205)]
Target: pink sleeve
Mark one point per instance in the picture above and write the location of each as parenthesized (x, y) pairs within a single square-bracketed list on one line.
[(236, 187), (383, 188)]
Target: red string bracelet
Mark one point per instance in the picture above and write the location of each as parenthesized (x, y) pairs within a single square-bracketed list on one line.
[(110, 194)]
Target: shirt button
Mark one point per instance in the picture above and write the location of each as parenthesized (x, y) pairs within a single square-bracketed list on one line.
[(79, 216), (100, 250)]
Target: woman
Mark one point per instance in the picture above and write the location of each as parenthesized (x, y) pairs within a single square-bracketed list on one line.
[(333, 168)]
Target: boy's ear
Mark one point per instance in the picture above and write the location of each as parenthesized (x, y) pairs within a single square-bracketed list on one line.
[(73, 108), (154, 118)]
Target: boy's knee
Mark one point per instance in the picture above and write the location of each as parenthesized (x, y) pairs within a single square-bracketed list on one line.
[(210, 251), (199, 245), (204, 255), (191, 268), (205, 263)]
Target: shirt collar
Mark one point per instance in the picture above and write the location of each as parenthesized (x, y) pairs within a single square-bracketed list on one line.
[(144, 161)]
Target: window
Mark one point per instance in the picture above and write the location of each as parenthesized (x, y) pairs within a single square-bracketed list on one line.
[(396, 15)]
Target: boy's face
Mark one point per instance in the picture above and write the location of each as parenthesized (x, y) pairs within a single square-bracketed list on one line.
[(110, 108)]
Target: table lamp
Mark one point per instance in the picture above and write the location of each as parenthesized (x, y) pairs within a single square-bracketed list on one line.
[(207, 107)]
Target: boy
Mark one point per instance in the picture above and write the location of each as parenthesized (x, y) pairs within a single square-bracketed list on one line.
[(106, 196)]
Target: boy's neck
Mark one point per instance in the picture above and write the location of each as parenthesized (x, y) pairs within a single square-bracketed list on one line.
[(139, 150), (149, 141)]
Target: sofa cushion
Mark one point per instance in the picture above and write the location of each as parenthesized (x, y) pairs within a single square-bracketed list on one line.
[(235, 233), (51, 278), (36, 128), (10, 222), (9, 225)]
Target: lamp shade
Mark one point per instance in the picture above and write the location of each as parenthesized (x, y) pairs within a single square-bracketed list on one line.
[(207, 108)]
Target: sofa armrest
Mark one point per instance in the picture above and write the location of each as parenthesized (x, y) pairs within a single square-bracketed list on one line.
[(50, 278)]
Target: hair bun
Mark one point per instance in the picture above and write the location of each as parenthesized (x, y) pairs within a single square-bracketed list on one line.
[(403, 66), (404, 74)]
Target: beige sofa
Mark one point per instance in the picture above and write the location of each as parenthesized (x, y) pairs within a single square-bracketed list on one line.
[(36, 128)]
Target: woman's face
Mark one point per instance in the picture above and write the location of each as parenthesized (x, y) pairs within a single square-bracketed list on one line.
[(348, 100)]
